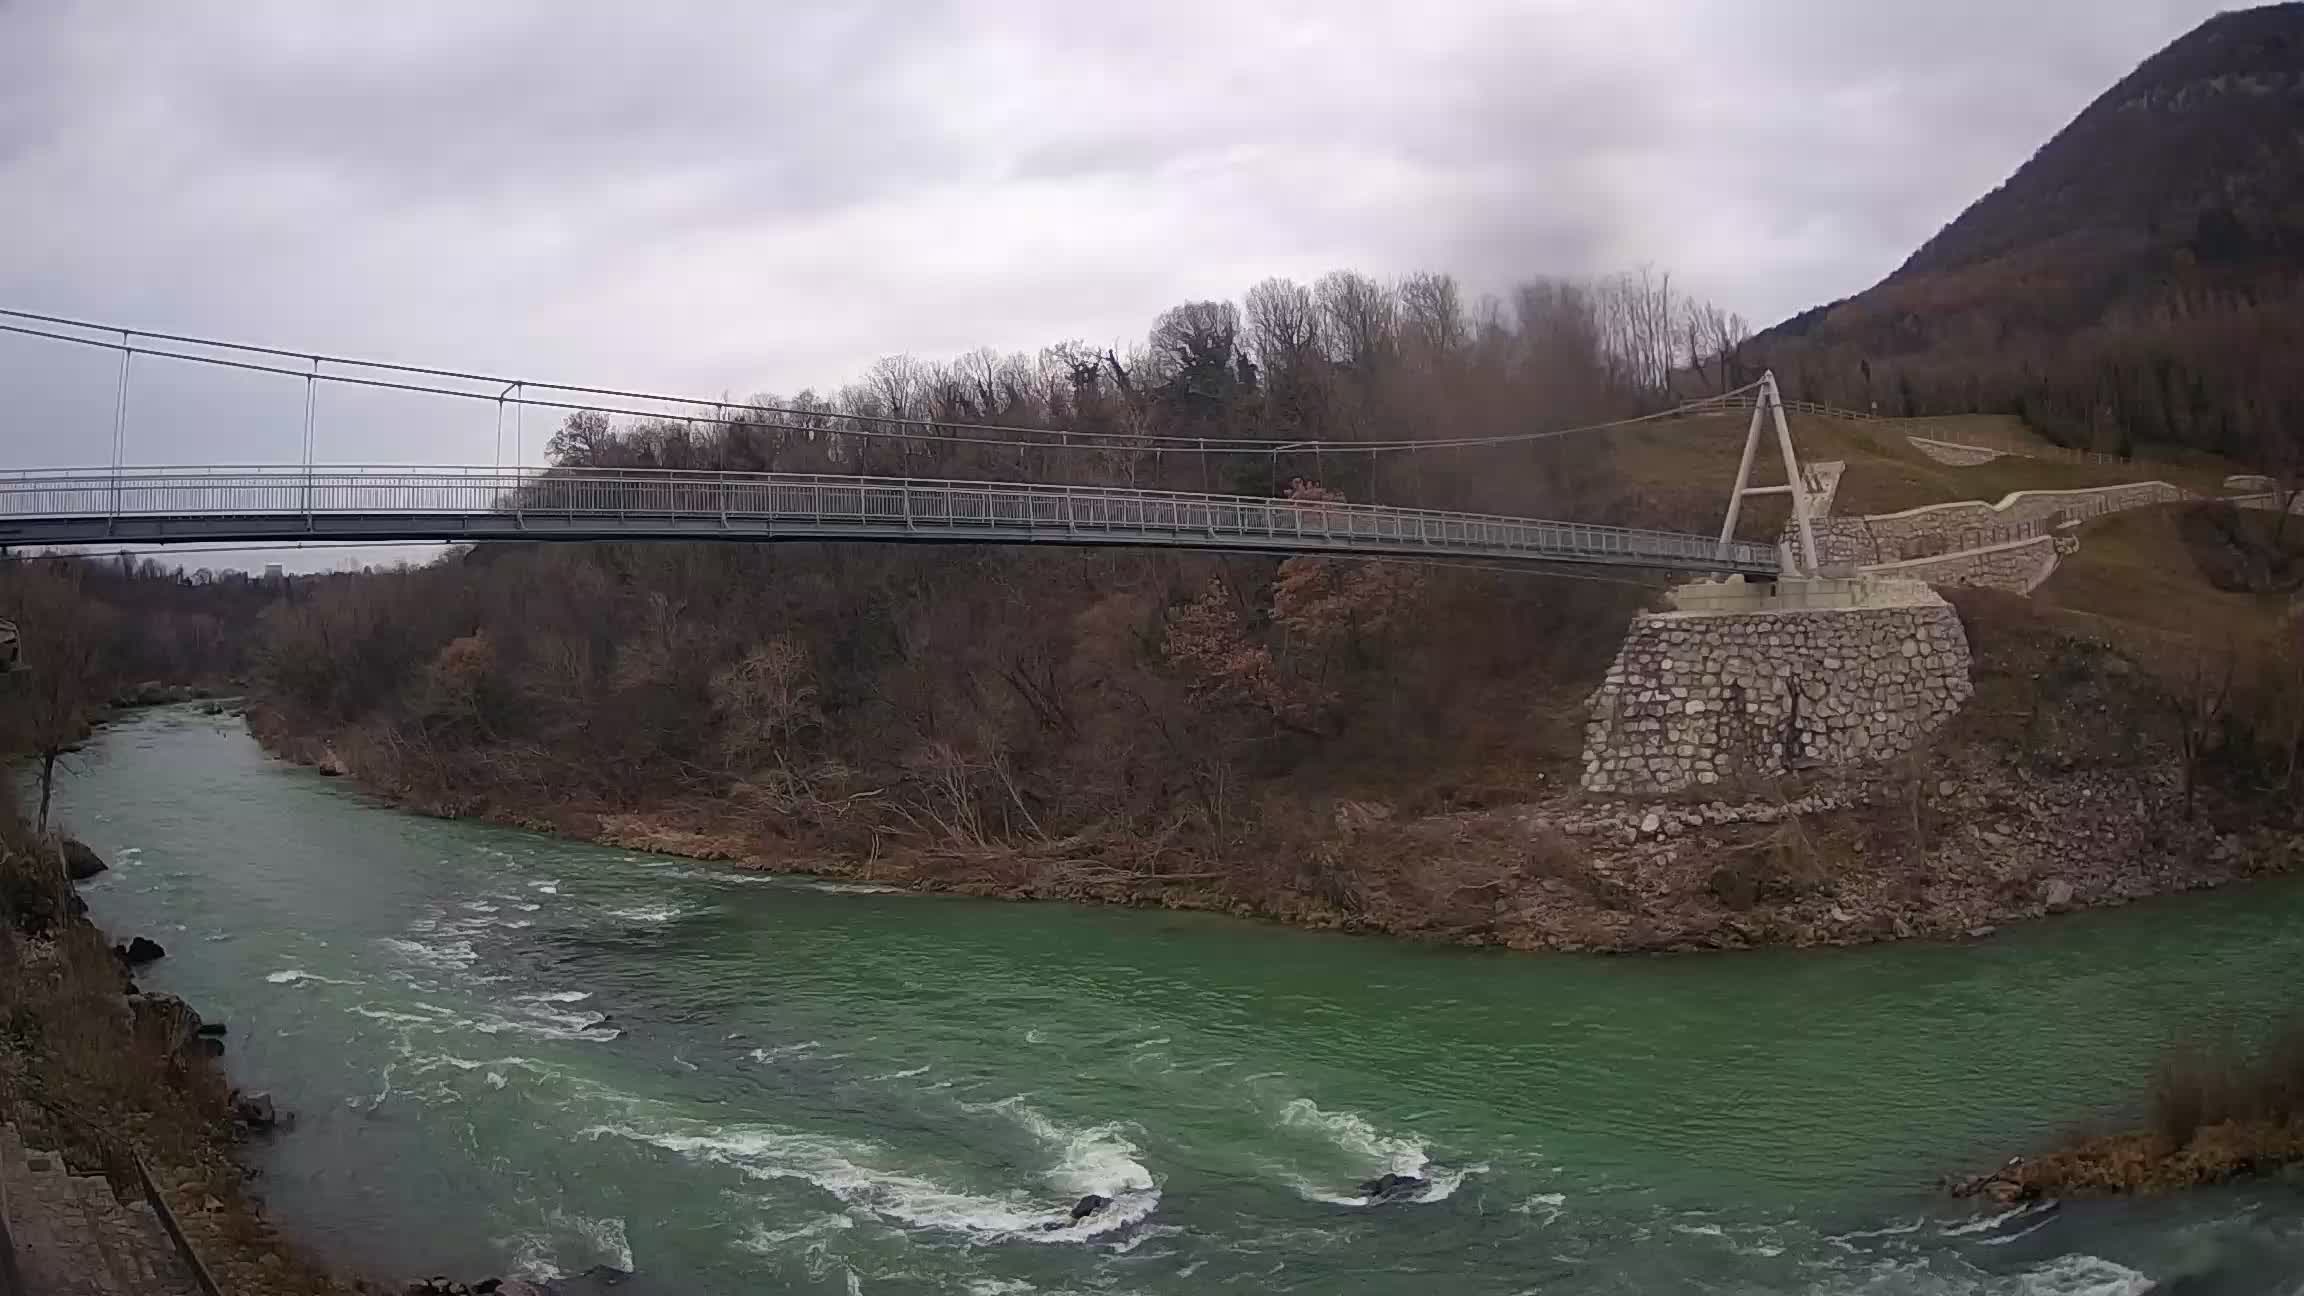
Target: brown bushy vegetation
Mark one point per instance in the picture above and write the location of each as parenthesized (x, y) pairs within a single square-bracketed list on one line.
[(2133, 286), (89, 628), (2216, 1112)]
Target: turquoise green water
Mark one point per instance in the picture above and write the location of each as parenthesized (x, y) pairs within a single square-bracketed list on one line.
[(512, 1053)]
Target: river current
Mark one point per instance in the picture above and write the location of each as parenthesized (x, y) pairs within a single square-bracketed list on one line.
[(510, 1053)]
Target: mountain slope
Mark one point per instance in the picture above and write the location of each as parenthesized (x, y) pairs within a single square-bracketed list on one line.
[(2139, 280)]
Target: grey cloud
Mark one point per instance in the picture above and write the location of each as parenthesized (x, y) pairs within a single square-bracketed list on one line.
[(739, 197)]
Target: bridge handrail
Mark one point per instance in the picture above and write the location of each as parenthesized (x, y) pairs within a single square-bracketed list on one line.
[(504, 481), (877, 502)]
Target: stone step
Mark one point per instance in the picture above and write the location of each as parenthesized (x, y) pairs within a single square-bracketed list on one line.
[(74, 1237)]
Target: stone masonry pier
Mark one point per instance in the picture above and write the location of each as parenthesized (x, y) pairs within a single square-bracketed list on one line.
[(1746, 680)]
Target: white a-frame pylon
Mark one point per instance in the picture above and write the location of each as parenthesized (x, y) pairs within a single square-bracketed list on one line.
[(1767, 402)]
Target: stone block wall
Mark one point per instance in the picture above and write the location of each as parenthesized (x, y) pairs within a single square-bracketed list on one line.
[(2018, 567), (1842, 540), (1936, 528), (1696, 698), (1959, 456)]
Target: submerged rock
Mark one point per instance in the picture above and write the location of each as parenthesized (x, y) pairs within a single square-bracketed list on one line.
[(2005, 1185), (1082, 1209), (81, 863), (1393, 1187)]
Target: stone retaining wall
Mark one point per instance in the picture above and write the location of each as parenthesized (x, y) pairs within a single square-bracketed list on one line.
[(1695, 698), (1936, 529), (1959, 456), (1844, 541), (2018, 567)]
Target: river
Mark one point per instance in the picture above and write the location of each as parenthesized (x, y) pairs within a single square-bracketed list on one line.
[(507, 1052)]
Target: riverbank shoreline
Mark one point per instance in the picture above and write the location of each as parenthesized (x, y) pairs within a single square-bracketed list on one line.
[(1948, 850), (92, 1066)]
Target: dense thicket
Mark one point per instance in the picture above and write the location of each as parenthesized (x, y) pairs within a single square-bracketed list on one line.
[(957, 697)]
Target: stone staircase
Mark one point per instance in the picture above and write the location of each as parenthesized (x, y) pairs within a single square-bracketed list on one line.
[(74, 1238)]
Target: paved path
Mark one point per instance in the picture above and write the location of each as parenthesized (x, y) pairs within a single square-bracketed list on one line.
[(74, 1238)]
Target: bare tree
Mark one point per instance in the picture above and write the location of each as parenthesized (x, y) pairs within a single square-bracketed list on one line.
[(1639, 328), (1432, 314), (1359, 319), (54, 700), (1283, 325)]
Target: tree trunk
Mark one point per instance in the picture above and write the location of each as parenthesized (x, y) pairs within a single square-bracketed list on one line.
[(47, 785)]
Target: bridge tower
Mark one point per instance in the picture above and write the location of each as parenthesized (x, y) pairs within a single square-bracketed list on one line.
[(1768, 403)]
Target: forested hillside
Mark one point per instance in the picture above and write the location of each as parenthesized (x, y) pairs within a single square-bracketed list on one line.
[(2139, 281)]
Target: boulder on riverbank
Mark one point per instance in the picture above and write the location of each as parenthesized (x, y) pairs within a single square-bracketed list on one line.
[(80, 862), (167, 1016), (154, 693), (255, 1110)]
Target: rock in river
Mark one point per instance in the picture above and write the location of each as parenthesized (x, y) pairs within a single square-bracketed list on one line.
[(81, 863), (1392, 1187), (255, 1110), (139, 951)]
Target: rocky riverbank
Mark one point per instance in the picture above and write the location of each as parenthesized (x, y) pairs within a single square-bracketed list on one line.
[(1949, 845), (2067, 781), (91, 1067)]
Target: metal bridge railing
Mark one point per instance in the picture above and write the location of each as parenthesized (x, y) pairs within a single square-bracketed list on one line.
[(630, 498)]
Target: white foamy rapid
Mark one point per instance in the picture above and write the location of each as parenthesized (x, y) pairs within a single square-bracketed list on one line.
[(290, 976), (651, 913), (532, 1018), (443, 956), (2082, 1275), (568, 1243), (1374, 1152), (1094, 1160)]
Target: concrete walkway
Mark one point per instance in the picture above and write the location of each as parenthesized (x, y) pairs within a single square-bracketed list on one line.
[(73, 1238)]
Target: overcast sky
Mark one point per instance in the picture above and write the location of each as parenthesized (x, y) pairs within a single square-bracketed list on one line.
[(749, 197)]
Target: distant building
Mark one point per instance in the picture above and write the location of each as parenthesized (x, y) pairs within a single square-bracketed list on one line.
[(275, 572)]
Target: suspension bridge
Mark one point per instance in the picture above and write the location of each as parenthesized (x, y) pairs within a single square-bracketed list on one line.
[(121, 503)]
